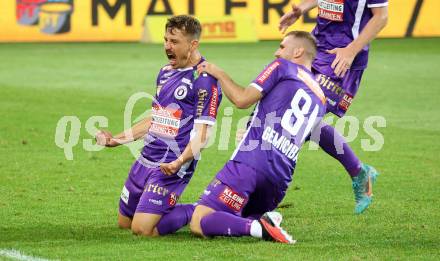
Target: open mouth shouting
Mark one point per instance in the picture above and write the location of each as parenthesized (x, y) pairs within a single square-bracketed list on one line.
[(171, 59)]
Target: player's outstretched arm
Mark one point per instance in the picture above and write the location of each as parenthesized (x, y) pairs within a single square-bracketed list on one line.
[(241, 97), (192, 150), (345, 56), (105, 138), (291, 17)]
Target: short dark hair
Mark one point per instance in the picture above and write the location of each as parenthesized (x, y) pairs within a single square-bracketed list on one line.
[(309, 41), (189, 25)]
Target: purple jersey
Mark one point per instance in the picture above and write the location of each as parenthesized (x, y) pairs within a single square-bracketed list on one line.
[(292, 104), (339, 22), (183, 98)]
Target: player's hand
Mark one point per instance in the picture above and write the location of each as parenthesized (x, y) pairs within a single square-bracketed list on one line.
[(344, 59), (105, 138), (172, 167), (289, 18), (210, 68)]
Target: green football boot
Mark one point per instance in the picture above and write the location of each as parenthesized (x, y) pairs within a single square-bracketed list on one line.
[(363, 187)]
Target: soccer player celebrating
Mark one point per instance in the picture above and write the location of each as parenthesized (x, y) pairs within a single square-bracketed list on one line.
[(184, 108), (344, 30), (290, 104)]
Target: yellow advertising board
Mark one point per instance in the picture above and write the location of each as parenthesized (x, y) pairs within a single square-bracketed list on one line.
[(123, 20), (214, 29)]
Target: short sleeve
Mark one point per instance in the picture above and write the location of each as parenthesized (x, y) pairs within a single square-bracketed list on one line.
[(377, 3), (158, 77), (208, 98), (158, 85), (268, 78)]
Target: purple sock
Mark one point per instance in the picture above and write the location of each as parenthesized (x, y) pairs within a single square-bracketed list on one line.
[(176, 219), (222, 223), (332, 142)]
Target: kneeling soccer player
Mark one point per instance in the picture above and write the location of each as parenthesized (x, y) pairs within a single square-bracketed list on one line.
[(290, 103), (184, 108)]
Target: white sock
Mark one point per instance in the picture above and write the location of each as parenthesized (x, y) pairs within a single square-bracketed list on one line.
[(256, 229)]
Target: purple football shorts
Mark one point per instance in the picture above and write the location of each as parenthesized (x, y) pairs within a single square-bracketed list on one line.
[(148, 190), (241, 190), (339, 91)]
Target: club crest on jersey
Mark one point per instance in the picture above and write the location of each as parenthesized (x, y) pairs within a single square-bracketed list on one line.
[(332, 10), (232, 199), (180, 92)]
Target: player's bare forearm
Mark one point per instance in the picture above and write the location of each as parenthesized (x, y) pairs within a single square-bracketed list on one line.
[(192, 149), (371, 29), (197, 143), (241, 97), (136, 132), (297, 11), (234, 92), (307, 5)]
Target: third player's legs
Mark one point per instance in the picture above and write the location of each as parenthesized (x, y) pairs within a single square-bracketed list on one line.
[(340, 93)]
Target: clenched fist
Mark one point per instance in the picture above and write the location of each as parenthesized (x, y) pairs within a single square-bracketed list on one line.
[(105, 138)]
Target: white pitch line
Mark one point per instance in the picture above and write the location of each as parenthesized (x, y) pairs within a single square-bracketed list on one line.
[(15, 254)]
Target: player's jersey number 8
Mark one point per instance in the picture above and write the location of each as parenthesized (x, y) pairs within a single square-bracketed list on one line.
[(296, 116)]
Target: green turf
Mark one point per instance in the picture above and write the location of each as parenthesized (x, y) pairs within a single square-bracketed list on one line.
[(59, 209)]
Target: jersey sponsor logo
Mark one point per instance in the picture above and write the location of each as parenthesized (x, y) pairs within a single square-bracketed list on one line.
[(156, 189), (232, 199), (332, 10), (180, 92), (125, 195), (155, 201), (213, 103), (281, 143), (328, 84), (266, 73), (187, 81), (165, 121), (167, 74), (173, 199), (345, 102), (202, 94)]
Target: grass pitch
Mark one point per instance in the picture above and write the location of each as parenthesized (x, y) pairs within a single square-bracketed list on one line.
[(59, 209)]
